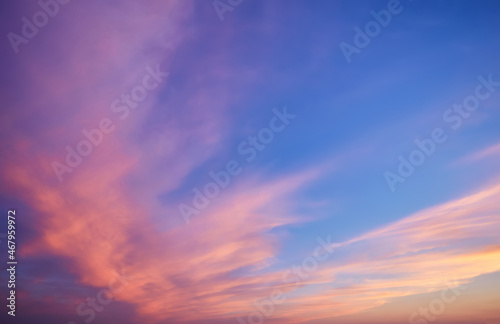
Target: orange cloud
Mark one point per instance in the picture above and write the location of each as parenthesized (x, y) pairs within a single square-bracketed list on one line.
[(454, 241)]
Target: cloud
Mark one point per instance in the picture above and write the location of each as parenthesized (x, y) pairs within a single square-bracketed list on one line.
[(107, 215), (103, 216), (485, 153), (454, 241)]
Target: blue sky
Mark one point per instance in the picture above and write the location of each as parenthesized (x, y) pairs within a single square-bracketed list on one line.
[(321, 177)]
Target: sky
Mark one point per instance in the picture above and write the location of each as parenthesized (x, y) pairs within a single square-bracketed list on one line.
[(250, 161)]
